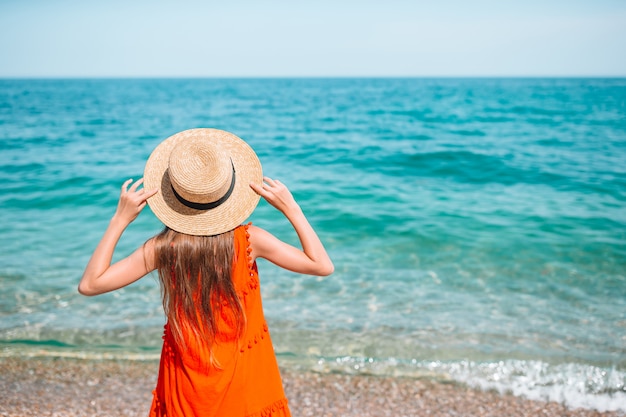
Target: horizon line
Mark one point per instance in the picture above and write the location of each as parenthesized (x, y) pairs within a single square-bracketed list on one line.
[(234, 77)]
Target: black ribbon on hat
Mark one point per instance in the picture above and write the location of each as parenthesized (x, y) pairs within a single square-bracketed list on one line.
[(213, 204)]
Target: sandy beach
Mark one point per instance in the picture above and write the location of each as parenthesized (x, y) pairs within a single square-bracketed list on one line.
[(70, 387)]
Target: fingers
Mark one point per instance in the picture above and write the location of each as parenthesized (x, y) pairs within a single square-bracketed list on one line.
[(268, 182), (270, 189), (125, 185), (134, 187), (257, 189), (266, 186), (150, 193), (133, 200)]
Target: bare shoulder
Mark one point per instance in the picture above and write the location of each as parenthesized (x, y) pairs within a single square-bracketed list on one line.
[(255, 230), (260, 241), (257, 235)]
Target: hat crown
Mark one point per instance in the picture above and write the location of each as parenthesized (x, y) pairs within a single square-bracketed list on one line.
[(203, 178), (200, 171)]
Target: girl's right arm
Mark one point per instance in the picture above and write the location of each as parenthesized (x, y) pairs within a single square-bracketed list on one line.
[(100, 275), (312, 259)]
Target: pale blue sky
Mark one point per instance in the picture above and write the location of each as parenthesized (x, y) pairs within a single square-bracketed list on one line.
[(238, 38)]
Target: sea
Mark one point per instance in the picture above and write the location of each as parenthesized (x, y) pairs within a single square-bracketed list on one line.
[(477, 226)]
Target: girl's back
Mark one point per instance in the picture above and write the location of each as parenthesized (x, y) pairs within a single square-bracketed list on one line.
[(244, 379)]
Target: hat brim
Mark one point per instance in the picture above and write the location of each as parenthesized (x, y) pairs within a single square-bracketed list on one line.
[(228, 215)]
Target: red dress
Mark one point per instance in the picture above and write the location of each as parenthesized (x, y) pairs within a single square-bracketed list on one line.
[(247, 383)]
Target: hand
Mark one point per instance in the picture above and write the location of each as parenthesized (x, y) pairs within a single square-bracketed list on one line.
[(312, 258), (277, 194), (132, 201)]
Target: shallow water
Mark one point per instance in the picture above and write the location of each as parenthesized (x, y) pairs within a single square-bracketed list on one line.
[(478, 226)]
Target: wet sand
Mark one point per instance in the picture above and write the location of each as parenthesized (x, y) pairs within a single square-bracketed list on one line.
[(70, 387)]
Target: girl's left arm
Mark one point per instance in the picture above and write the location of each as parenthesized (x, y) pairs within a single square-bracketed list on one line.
[(100, 276)]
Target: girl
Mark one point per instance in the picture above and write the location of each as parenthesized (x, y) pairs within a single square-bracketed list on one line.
[(217, 357)]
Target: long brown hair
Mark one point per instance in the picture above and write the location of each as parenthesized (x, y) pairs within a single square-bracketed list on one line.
[(196, 286)]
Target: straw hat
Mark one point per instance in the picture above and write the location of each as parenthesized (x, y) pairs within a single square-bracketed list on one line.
[(203, 178)]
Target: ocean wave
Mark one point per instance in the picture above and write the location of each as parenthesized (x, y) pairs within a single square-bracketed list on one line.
[(572, 384)]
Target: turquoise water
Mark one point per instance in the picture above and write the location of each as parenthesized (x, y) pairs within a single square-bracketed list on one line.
[(478, 226)]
